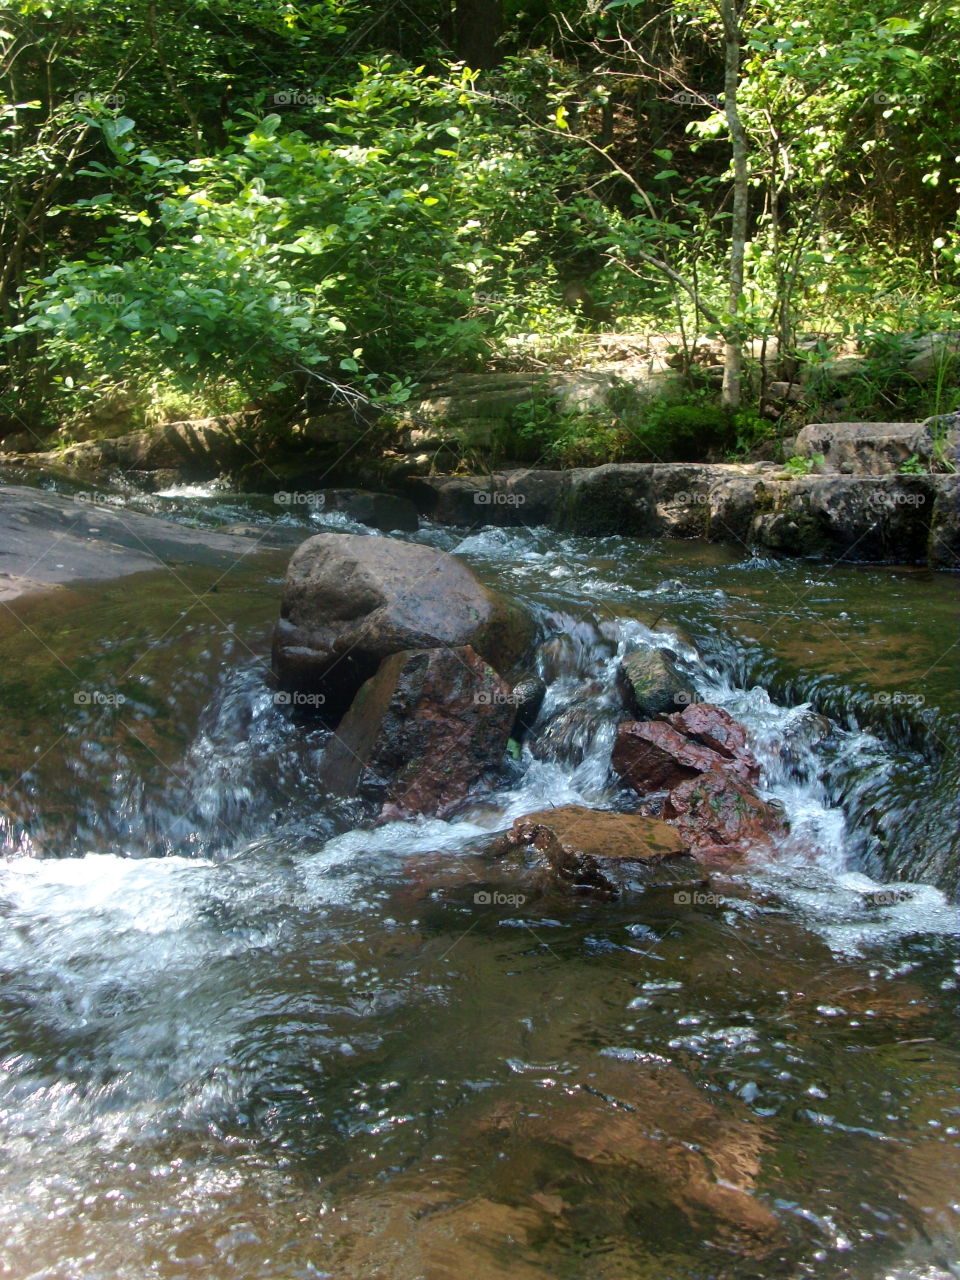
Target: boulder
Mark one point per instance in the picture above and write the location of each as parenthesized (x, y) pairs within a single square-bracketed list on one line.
[(421, 733), (591, 849), (932, 355), (654, 756), (617, 498), (350, 601), (857, 518), (651, 683), (716, 814)]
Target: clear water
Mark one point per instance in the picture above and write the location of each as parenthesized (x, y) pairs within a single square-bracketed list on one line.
[(244, 1036)]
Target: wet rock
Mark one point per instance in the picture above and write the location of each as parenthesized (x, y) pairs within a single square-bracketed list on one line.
[(383, 511), (651, 683), (618, 498), (717, 814), (418, 1230), (873, 516), (859, 518), (713, 727), (50, 539), (649, 1127), (591, 849), (528, 695), (349, 601), (571, 732), (802, 732), (421, 733), (575, 650), (654, 756)]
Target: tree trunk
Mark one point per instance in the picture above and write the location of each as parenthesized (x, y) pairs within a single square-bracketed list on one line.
[(477, 25), (733, 348)]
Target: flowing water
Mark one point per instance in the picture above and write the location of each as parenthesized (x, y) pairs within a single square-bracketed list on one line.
[(245, 1033)]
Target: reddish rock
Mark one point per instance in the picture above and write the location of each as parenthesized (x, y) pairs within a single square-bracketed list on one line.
[(658, 1130), (713, 727), (655, 756), (592, 848), (717, 814), (422, 732)]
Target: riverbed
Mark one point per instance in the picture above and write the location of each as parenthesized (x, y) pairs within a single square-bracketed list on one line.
[(245, 1033)]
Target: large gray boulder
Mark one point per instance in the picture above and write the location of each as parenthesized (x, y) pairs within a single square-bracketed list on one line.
[(349, 601)]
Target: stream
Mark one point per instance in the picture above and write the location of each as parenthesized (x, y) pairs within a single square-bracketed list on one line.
[(246, 1034)]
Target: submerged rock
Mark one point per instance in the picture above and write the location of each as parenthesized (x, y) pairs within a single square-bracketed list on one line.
[(421, 732), (649, 1127), (350, 601), (570, 734), (592, 849)]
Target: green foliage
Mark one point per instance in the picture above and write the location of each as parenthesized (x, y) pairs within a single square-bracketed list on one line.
[(543, 433), (635, 429), (251, 202), (798, 466)]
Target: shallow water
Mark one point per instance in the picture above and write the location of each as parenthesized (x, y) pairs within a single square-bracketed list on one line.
[(242, 1036)]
